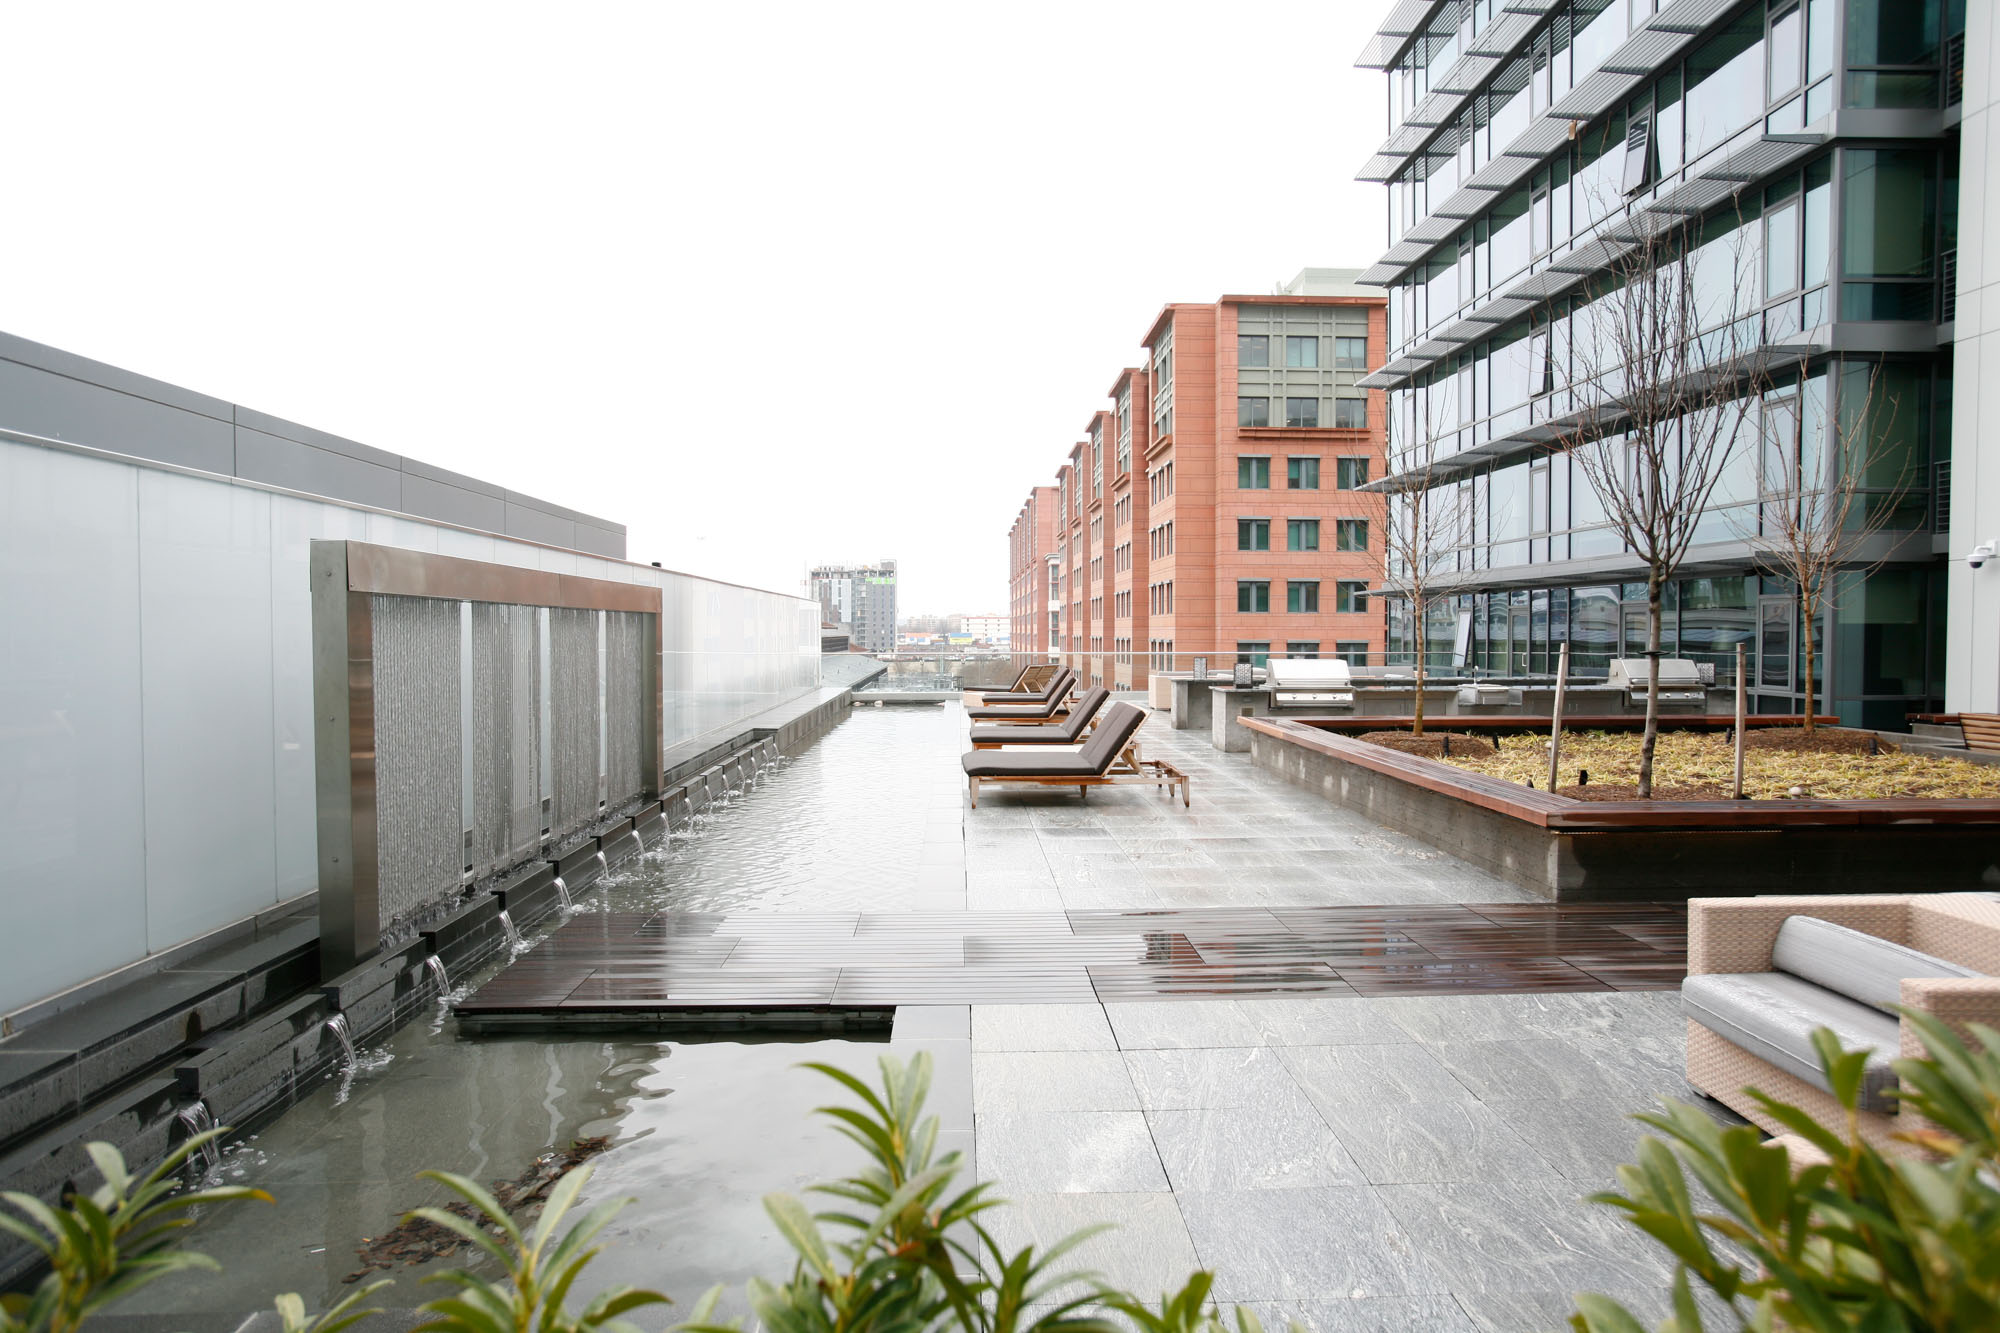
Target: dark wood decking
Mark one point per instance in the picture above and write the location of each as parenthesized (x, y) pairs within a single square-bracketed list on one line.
[(600, 965)]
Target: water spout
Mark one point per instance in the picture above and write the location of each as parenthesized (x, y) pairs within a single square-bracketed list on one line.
[(562, 895), (337, 1025), (514, 944), (197, 1120), (603, 866), (439, 977)]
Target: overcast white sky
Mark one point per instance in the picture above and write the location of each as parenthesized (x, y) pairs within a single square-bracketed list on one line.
[(770, 284)]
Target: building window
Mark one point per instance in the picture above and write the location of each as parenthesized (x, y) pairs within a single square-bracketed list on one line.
[(1350, 534), (1302, 648), (1253, 349), (1350, 595), (1350, 354), (1253, 534), (1253, 474), (1253, 411), (1350, 413), (1302, 353), (1253, 594), (1301, 534), (1256, 653), (1302, 474), (1351, 472), (1354, 651), (1302, 411), (1302, 597)]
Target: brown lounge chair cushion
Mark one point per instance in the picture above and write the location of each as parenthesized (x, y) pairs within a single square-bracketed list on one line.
[(1057, 687), (1032, 712), (1093, 760), (1060, 733), (1015, 686)]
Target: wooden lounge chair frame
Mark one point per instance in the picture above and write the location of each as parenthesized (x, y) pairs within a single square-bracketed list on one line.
[(1062, 715), (1124, 768), (1122, 773), (1034, 678)]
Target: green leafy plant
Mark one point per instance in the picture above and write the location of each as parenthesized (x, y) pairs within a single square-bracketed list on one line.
[(1864, 1240), (106, 1245), (540, 1269), (908, 1251), (346, 1313)]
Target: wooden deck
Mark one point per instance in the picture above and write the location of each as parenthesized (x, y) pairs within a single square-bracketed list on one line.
[(642, 969)]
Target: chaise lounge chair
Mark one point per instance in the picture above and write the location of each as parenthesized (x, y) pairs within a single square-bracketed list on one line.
[(1058, 682), (1027, 687), (1107, 758), (1053, 704), (1067, 732)]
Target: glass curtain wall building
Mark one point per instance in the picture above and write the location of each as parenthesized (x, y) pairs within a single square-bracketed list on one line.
[(1808, 151)]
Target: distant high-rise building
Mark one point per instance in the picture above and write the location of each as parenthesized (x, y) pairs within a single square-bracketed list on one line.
[(862, 597)]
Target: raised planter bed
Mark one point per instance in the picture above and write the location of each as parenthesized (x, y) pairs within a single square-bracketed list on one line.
[(1578, 851)]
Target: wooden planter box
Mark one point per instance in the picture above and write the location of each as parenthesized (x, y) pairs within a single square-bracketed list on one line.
[(1580, 851)]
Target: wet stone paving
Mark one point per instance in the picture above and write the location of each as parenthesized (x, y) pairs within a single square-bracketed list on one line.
[(1365, 1083)]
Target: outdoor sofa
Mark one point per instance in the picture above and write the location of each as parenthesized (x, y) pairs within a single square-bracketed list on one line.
[(1763, 973), (1108, 758), (1069, 731)]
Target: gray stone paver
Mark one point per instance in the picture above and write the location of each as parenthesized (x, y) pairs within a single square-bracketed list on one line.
[(1357, 1164)]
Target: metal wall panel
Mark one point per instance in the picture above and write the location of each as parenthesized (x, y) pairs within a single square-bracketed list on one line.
[(504, 741), (417, 755), (626, 634), (573, 724)]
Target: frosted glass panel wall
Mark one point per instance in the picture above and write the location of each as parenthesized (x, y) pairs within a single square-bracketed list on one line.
[(732, 652), (156, 700)]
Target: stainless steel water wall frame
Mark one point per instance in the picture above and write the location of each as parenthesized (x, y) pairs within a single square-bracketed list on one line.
[(346, 576)]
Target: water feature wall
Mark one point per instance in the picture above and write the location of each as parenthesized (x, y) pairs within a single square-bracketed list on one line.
[(472, 717), (158, 782)]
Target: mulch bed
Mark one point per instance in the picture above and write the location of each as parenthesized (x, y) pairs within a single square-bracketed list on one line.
[(1430, 745), (1817, 741), (1629, 791), (417, 1240)]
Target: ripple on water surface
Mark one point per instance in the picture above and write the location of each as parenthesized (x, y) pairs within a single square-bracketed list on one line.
[(700, 1130)]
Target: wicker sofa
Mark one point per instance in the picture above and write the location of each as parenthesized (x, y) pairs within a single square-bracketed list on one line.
[(1764, 971)]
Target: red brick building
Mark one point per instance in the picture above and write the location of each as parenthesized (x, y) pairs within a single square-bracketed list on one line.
[(1031, 575), (1213, 510)]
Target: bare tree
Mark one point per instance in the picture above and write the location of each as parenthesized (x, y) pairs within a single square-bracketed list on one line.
[(1655, 398), (1429, 518), (1819, 513)]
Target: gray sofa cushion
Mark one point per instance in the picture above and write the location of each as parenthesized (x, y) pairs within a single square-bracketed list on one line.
[(1772, 1015), (1860, 966)]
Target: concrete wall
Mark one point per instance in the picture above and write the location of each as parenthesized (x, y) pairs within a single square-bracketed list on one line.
[(156, 695), (1972, 662), (59, 396)]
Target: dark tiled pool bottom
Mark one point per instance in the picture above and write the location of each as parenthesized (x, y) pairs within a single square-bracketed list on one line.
[(601, 965)]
